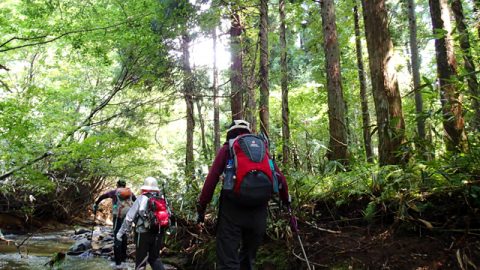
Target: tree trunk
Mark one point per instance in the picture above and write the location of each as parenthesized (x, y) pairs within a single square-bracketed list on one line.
[(367, 137), (264, 90), (188, 95), (216, 108), (476, 9), (415, 59), (251, 86), (464, 38), (450, 97), (284, 84), (205, 150), (338, 147), (388, 103), (236, 71)]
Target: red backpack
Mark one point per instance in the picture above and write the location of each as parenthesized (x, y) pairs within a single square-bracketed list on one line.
[(249, 177), (157, 212)]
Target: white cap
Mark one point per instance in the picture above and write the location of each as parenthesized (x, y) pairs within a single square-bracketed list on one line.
[(240, 124), (150, 183)]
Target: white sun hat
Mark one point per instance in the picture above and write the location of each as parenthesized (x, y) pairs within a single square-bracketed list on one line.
[(150, 183)]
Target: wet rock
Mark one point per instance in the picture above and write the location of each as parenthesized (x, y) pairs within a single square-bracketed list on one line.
[(79, 247), (81, 236), (107, 248), (82, 231), (86, 255)]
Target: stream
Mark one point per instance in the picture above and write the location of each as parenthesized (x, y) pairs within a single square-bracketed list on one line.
[(38, 249)]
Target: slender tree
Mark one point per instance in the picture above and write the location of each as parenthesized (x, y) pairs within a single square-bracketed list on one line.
[(477, 10), (415, 61), (188, 96), (388, 103), (464, 38), (367, 137), (451, 98), (201, 121), (338, 147), (251, 91), (264, 89), (216, 109), (236, 70), (284, 84)]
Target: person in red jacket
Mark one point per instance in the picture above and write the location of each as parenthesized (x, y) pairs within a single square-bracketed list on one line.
[(238, 226)]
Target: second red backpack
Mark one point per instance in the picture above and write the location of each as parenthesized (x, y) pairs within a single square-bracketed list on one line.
[(157, 212)]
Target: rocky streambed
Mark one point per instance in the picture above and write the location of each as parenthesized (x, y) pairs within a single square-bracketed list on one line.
[(66, 249)]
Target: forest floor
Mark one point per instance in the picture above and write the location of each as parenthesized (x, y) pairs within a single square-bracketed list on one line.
[(440, 231), (445, 235)]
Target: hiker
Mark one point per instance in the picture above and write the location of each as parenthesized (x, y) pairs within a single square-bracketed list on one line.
[(122, 199), (148, 238), (242, 214)]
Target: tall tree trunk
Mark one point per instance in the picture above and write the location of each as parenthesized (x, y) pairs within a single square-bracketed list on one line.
[(264, 90), (388, 103), (236, 70), (451, 99), (338, 147), (251, 95), (188, 95), (468, 63), (415, 59), (367, 137), (476, 8), (205, 150), (284, 84), (216, 109)]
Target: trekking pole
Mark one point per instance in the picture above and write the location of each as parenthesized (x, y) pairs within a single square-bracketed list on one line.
[(93, 225), (293, 222)]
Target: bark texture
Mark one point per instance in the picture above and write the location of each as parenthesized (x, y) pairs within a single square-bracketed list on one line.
[(216, 106), (264, 89), (236, 70), (367, 137), (338, 147), (388, 103), (415, 59), (188, 96), (284, 84), (468, 63), (451, 99)]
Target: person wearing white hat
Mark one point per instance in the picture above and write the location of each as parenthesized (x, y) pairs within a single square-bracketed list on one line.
[(148, 241)]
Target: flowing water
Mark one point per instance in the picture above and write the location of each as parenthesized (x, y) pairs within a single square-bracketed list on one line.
[(37, 250)]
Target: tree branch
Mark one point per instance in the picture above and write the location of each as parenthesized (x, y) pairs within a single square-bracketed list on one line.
[(118, 86), (55, 38)]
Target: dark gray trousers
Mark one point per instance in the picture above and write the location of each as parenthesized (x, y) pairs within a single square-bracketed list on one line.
[(148, 245), (239, 228), (119, 248)]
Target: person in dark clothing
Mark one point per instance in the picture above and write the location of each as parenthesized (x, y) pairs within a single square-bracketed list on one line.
[(122, 199), (148, 241), (238, 226)]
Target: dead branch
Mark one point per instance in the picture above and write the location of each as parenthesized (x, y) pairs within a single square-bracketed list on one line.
[(322, 229)]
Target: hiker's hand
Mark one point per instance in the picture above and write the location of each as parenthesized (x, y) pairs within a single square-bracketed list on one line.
[(200, 217), (199, 228), (95, 208), (119, 237), (200, 213)]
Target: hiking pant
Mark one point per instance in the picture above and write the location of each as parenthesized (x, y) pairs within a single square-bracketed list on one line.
[(119, 248), (148, 246), (239, 227)]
